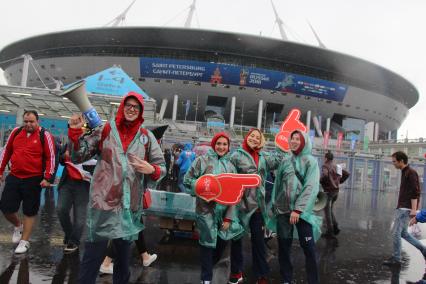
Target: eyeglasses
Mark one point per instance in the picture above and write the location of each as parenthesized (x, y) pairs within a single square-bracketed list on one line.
[(129, 106)]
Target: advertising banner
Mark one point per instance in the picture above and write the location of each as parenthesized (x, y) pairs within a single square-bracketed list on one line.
[(354, 138), (326, 139), (312, 135), (218, 73), (365, 144), (112, 81), (339, 140)]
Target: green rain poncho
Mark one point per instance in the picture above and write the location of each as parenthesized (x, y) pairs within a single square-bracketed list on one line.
[(289, 193), (116, 189), (254, 198), (210, 215)]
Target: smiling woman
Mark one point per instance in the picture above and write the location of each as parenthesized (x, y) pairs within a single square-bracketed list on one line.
[(113, 200), (132, 109), (216, 223)]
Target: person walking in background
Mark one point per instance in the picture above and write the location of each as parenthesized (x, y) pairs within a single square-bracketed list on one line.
[(167, 159), (408, 201), (186, 157), (127, 154), (73, 189), (295, 191), (216, 223), (31, 151), (176, 150), (331, 178)]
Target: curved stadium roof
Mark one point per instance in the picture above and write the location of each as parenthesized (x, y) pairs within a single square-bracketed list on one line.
[(223, 47)]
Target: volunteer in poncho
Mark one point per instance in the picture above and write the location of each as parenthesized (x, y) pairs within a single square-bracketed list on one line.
[(250, 159), (293, 198), (117, 186), (216, 223)]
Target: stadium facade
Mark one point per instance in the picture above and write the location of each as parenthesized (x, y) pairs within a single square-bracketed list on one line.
[(247, 80)]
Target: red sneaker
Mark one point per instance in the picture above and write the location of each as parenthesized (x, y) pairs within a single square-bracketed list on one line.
[(236, 278)]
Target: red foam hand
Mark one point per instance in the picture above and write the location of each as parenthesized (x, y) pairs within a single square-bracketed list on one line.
[(290, 124), (233, 186), (207, 187)]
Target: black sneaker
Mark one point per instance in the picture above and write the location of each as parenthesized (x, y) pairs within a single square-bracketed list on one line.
[(336, 231), (392, 262), (328, 235), (70, 248)]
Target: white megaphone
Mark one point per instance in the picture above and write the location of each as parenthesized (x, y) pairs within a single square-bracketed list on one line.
[(321, 201), (76, 93)]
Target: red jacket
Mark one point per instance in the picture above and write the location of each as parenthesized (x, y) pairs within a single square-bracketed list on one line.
[(26, 154)]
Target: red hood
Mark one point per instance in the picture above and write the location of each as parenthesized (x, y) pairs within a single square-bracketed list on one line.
[(246, 146), (217, 136), (119, 117), (127, 129), (302, 142)]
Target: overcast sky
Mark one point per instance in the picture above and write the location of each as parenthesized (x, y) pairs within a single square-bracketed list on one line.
[(386, 32)]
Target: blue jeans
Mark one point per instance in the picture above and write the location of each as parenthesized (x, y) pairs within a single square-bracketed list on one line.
[(180, 181), (306, 240), (73, 194), (94, 254), (330, 219), (401, 219)]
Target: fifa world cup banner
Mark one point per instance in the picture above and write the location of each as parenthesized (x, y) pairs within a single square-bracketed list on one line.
[(226, 189), (218, 73)]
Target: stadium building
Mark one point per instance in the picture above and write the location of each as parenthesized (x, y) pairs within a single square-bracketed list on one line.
[(238, 79)]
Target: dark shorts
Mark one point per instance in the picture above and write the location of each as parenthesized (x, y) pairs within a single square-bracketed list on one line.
[(16, 190)]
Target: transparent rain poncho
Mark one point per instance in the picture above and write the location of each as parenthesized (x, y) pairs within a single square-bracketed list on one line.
[(254, 198), (289, 193), (116, 189), (210, 215)]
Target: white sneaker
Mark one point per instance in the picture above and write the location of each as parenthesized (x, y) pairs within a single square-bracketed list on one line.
[(22, 247), (151, 259), (17, 234), (107, 269)]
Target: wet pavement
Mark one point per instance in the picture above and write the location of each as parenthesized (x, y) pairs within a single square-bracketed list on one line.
[(354, 257)]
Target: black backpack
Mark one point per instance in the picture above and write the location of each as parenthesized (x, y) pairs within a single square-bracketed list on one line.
[(57, 150)]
